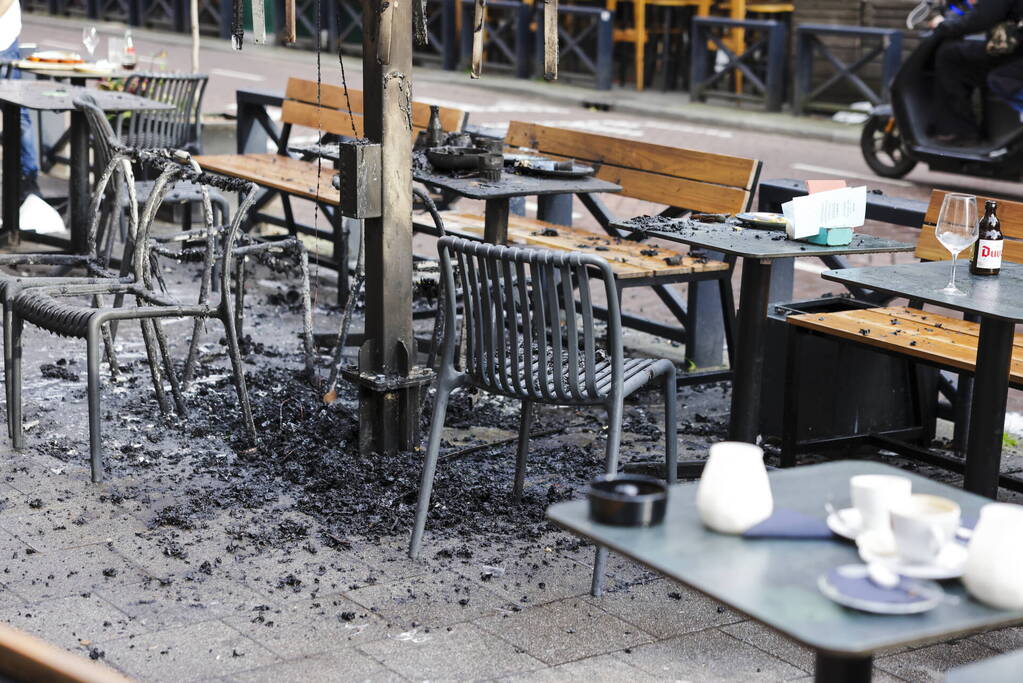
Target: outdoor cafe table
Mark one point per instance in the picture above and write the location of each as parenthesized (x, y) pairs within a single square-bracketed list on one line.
[(774, 581), (998, 301), (758, 249), (49, 96)]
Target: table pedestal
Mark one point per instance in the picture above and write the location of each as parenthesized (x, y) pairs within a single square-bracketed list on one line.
[(748, 369), (832, 669), (987, 415), (495, 222), (79, 182), (12, 173)]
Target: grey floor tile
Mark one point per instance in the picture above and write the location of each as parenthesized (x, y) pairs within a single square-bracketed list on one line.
[(710, 655), (1004, 640), (197, 652), (299, 576), (69, 572), (334, 667), (664, 608), (183, 601), (563, 631), (769, 640), (430, 600), (70, 525), (75, 623), (10, 545), (295, 629), (533, 576), (931, 663), (612, 668), (459, 652)]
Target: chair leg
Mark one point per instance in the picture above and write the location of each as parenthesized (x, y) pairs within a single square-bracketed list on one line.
[(239, 296), (525, 422), (152, 354), (790, 402), (670, 427), (8, 345), (92, 361), (728, 317), (168, 367), (440, 408), (307, 317), (14, 411), (239, 371), (614, 437)]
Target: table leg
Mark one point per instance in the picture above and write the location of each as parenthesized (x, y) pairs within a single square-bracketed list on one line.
[(495, 224), (748, 372), (79, 183), (832, 669), (987, 416), (12, 173), (555, 208)]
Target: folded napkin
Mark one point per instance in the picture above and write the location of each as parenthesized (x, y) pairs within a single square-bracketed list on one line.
[(790, 524)]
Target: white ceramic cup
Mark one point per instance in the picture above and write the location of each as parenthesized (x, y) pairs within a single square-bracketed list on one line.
[(992, 573), (873, 495), (922, 525), (734, 493)]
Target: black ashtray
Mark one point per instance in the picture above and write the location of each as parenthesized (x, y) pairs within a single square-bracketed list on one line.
[(627, 500)]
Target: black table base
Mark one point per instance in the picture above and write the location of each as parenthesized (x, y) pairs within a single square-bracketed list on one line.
[(987, 416), (754, 292), (832, 669)]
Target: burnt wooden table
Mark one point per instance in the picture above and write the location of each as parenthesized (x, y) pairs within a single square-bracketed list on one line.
[(49, 96), (774, 581), (998, 301), (758, 250)]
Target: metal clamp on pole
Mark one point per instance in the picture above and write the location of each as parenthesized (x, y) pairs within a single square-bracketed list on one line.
[(359, 179)]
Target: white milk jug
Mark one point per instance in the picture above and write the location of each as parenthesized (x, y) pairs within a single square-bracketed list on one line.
[(992, 573), (734, 493)]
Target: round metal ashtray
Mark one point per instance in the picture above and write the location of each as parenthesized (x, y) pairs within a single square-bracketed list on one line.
[(627, 500)]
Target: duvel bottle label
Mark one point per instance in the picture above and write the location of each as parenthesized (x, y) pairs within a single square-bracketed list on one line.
[(989, 253)]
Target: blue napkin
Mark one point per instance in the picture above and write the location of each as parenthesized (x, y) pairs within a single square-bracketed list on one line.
[(790, 524), (862, 588)]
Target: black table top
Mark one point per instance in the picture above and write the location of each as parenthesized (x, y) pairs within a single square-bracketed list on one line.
[(50, 96), (999, 296), (750, 242), (775, 580)]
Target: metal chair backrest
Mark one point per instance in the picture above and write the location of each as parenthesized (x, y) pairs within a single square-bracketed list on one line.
[(104, 139), (177, 128), (525, 336)]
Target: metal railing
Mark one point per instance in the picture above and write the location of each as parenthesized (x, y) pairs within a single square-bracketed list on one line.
[(760, 67)]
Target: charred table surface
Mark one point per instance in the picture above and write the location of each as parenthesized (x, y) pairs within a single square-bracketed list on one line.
[(496, 193), (16, 95), (775, 580), (758, 249), (998, 300)]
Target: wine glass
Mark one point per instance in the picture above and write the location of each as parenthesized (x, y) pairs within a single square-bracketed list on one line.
[(956, 230), (90, 40)]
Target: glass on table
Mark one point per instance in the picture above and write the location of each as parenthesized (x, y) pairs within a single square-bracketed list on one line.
[(90, 40), (956, 229)]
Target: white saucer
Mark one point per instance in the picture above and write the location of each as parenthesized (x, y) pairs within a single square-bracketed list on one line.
[(845, 523), (919, 596), (879, 547)]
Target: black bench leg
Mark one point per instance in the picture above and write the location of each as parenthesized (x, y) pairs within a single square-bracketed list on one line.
[(790, 404)]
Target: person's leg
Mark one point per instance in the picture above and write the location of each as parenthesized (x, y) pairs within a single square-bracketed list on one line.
[(29, 162), (1006, 81), (960, 67)]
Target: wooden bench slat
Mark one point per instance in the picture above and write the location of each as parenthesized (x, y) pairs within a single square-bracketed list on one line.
[(928, 248), (276, 171), (940, 321)]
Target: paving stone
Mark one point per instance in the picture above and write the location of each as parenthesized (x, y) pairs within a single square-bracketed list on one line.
[(74, 622), (197, 652), (612, 668), (664, 608), (11, 546), (459, 652), (9, 598), (534, 576), (39, 576), (565, 630), (769, 640), (1003, 640), (297, 575), (294, 629), (339, 667), (429, 601), (174, 553), (70, 525), (183, 601), (710, 655), (931, 663)]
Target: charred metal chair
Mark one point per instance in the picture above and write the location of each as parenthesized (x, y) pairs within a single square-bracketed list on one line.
[(177, 128), (63, 311), (526, 338)]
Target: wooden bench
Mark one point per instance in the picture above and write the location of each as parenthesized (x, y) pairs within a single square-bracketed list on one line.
[(933, 339), (681, 179), (283, 175)]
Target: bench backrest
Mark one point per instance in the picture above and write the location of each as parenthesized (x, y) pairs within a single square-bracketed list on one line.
[(928, 248), (331, 116), (673, 176)]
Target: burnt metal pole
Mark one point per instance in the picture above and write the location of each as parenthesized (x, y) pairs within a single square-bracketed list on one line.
[(389, 382)]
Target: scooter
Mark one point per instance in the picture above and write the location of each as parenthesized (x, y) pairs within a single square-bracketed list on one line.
[(895, 138)]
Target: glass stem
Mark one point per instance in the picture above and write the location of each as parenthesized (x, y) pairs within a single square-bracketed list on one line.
[(952, 280)]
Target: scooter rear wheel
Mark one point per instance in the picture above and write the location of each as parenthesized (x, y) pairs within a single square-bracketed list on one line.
[(881, 144)]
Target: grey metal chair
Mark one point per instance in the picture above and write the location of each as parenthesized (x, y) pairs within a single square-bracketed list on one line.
[(64, 310), (526, 339), (178, 128)]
